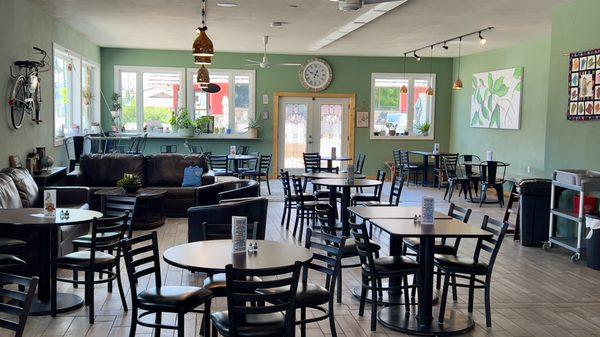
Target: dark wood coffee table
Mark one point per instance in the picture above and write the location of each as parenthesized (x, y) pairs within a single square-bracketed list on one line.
[(147, 205), (212, 256), (33, 219)]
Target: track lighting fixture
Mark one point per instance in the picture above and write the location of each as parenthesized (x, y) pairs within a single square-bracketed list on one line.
[(445, 46), (417, 57), (482, 40)]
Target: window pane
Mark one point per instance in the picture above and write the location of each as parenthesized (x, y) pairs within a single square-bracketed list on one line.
[(161, 98), (331, 128), (390, 107), (129, 101), (62, 95), (219, 102), (422, 108), (242, 102), (87, 92), (200, 101), (296, 117)]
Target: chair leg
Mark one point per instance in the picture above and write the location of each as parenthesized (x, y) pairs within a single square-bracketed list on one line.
[(75, 273), (405, 291), (205, 327), (303, 324), (444, 298), (89, 280), (332, 321), (284, 213), (259, 189), (120, 283), (289, 216), (302, 218), (339, 287), (451, 191), (157, 320), (488, 309), (296, 221), (373, 305), (471, 293), (133, 327), (446, 192), (454, 290), (482, 195), (268, 186), (181, 324), (363, 296), (53, 291)]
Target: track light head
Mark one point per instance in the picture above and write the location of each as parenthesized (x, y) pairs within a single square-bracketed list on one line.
[(417, 57), (445, 46), (482, 40)]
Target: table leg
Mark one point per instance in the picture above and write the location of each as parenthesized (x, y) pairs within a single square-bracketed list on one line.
[(437, 166), (333, 204), (330, 166), (396, 318), (344, 216), (425, 170)]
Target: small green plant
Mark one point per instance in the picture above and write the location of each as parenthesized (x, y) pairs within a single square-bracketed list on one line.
[(253, 124), (183, 120), (203, 124), (423, 128), (116, 102), (129, 180)]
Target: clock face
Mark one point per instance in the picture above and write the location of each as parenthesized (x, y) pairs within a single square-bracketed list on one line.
[(316, 75)]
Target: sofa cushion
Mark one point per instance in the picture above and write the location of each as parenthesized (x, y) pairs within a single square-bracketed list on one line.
[(106, 169), (27, 187), (180, 192), (166, 169), (9, 195)]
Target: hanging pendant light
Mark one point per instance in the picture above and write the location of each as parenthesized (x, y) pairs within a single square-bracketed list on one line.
[(404, 89), (203, 78), (199, 60), (430, 90), (458, 84), (203, 46)]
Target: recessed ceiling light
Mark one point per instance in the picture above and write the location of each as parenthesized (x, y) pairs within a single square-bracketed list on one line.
[(227, 4), (278, 23), (293, 6)]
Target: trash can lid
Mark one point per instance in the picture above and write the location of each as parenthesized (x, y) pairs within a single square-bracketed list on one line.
[(537, 186)]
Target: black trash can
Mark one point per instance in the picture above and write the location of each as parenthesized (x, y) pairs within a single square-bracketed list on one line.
[(593, 245), (534, 213)]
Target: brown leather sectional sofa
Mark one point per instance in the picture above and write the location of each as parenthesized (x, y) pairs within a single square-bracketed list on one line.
[(163, 171)]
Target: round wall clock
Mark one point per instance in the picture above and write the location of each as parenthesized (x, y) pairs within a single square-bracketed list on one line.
[(315, 74)]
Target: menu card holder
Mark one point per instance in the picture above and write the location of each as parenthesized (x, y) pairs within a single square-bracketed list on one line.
[(351, 173), (427, 211), (333, 152), (50, 203), (436, 148), (489, 155), (239, 234), (233, 150)]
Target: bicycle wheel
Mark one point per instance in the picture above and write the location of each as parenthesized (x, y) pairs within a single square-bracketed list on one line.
[(17, 103)]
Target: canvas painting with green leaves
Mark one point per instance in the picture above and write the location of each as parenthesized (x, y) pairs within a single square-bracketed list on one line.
[(496, 99)]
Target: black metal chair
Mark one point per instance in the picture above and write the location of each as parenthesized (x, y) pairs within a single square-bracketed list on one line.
[(19, 301), (305, 208), (138, 145), (327, 259), (375, 269), (261, 170), (142, 259), (248, 165), (168, 149), (467, 268), (454, 176), (106, 236), (408, 168), (289, 199), (244, 318), (468, 161), (219, 164), (74, 149), (195, 149), (395, 193), (492, 178), (375, 196)]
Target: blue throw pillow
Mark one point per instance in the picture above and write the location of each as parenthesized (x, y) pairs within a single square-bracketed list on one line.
[(192, 176)]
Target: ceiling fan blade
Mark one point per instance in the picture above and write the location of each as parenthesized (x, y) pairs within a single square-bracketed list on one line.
[(286, 64), (252, 61), (369, 2)]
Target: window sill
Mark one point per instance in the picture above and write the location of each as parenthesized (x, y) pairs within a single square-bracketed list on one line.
[(199, 137), (401, 137)]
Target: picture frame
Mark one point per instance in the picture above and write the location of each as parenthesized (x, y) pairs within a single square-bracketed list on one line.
[(584, 86), (362, 119)]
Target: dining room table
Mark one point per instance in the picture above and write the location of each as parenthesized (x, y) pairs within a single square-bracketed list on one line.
[(345, 185), (426, 154), (238, 159), (395, 317), (47, 227), (331, 159)]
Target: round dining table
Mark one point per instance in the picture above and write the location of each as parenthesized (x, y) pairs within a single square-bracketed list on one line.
[(330, 175), (237, 159), (345, 185), (34, 219), (212, 256), (330, 160)]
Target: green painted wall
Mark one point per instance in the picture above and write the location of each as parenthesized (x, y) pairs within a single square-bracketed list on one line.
[(520, 148), (351, 75), (570, 144), (24, 26)]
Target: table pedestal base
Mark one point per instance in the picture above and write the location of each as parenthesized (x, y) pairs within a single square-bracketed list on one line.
[(396, 318), (64, 303), (387, 299)]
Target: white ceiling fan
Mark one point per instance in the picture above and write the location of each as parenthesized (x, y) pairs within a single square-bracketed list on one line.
[(353, 5), (264, 63)]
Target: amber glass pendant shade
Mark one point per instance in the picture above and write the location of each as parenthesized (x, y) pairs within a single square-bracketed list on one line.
[(199, 60), (430, 91), (404, 90), (203, 77), (203, 46), (458, 84)]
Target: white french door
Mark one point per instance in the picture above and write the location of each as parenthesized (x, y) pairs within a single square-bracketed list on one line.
[(311, 125)]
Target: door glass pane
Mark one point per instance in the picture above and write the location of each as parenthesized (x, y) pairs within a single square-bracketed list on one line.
[(128, 98), (242, 102), (391, 107), (219, 102), (296, 122), (422, 108), (331, 128), (87, 99), (62, 95), (161, 98)]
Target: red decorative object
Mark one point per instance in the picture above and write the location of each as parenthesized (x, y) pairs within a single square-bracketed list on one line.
[(590, 204)]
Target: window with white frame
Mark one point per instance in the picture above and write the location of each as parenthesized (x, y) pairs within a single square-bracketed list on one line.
[(397, 115), (232, 107), (76, 93), (149, 95)]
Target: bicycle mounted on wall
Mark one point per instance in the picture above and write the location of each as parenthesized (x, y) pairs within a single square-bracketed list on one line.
[(26, 95)]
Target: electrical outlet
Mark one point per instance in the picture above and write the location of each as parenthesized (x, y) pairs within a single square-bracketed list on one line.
[(528, 169)]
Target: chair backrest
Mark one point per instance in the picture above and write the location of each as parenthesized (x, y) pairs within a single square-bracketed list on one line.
[(107, 233), (396, 189), (242, 149), (360, 163), (141, 259), (193, 148), (404, 159), (252, 163), (379, 188), (327, 257), (138, 145), (366, 251), (491, 246), (470, 159), (117, 205), (74, 147), (223, 231), (397, 159), (20, 302), (312, 162), (168, 149), (298, 189), (458, 213), (284, 176), (264, 163), (450, 165), (491, 171), (242, 294), (218, 162)]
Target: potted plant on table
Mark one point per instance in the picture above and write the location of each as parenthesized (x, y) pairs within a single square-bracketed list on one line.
[(185, 125), (130, 183)]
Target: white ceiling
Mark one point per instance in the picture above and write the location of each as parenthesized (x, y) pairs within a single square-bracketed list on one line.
[(170, 24)]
